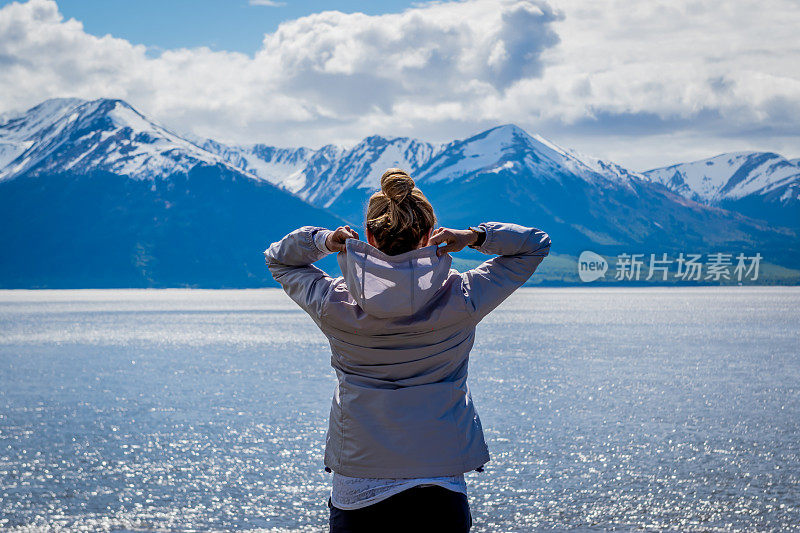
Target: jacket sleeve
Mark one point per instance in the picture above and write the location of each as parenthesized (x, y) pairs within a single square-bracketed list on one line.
[(289, 261), (520, 249)]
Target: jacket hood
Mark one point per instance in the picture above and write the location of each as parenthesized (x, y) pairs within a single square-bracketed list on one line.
[(387, 286)]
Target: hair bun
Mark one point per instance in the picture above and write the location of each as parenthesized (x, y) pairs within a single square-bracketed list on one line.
[(396, 184)]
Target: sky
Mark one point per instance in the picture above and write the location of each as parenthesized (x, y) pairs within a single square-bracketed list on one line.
[(644, 84)]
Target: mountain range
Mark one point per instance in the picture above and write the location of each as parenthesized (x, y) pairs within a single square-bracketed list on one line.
[(94, 194), (759, 184)]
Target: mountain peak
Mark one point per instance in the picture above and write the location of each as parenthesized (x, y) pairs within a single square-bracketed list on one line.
[(55, 104), (510, 129), (105, 134), (372, 139), (21, 126), (729, 176), (505, 133), (510, 149)]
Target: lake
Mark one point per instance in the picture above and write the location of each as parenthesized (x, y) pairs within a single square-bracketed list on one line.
[(187, 410)]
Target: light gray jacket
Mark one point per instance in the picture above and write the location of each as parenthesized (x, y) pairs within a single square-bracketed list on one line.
[(400, 329)]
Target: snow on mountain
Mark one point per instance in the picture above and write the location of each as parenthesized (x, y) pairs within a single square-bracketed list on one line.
[(114, 200), (322, 176), (187, 216), (280, 166), (361, 167), (18, 130), (510, 148), (585, 203), (79, 136), (731, 176), (18, 126), (607, 169)]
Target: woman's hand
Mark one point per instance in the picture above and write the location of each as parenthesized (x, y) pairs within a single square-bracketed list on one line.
[(456, 239), (335, 240)]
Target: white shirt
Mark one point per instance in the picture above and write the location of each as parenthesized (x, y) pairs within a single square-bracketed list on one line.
[(354, 492)]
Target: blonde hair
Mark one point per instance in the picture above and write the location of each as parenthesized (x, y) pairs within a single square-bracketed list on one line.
[(399, 215)]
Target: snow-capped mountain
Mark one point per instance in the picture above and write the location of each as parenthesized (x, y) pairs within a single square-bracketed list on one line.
[(19, 131), (281, 166), (731, 176), (121, 201), (585, 203), (322, 176), (319, 163), (760, 184), (333, 177), (362, 166), (93, 194), (510, 148), (81, 137)]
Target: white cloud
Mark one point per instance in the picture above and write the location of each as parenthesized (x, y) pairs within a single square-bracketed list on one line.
[(636, 81)]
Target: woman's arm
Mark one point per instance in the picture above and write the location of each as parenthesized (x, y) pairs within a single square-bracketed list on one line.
[(289, 261), (521, 249)]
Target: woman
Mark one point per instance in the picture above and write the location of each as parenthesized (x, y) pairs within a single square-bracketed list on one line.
[(403, 429)]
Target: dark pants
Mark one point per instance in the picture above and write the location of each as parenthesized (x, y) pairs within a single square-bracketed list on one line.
[(416, 510)]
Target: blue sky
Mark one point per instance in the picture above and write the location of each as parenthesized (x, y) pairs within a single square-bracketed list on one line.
[(643, 84), (236, 25)]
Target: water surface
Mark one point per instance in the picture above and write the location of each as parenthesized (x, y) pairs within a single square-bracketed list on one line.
[(186, 410)]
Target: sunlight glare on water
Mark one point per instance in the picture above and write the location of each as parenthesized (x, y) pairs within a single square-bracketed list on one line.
[(181, 410)]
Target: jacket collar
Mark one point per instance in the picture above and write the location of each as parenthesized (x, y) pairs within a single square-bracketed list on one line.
[(387, 286)]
